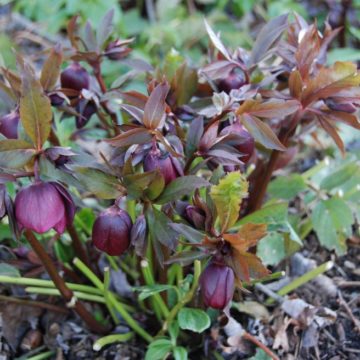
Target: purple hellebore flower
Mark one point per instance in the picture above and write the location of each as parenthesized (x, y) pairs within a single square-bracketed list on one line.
[(75, 77), (43, 206), (246, 146), (168, 166), (111, 231), (195, 216), (217, 285), (9, 125)]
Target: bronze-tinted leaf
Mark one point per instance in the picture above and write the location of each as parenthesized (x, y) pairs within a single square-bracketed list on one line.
[(35, 108), (154, 111), (130, 137), (71, 31), (330, 81), (51, 68), (184, 84), (268, 109), (262, 133), (15, 153), (295, 84), (219, 69), (343, 117), (13, 79), (331, 130)]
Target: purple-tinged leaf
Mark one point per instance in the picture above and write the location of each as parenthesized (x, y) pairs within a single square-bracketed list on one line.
[(209, 138), (218, 69), (191, 234), (89, 38), (130, 137), (134, 112), (159, 228), (154, 112), (262, 132), (51, 69), (105, 28), (194, 134), (185, 258), (343, 117), (331, 131), (267, 37), (216, 41), (181, 186)]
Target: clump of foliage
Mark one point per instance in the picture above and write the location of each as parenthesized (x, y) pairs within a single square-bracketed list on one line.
[(177, 177)]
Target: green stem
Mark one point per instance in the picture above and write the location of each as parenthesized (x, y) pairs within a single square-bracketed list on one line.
[(149, 279), (187, 298), (110, 339), (107, 295), (42, 356), (315, 169), (47, 283), (310, 275), (112, 263), (117, 305), (56, 292), (270, 277)]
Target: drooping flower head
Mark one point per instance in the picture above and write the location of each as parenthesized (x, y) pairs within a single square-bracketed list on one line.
[(43, 206), (111, 231)]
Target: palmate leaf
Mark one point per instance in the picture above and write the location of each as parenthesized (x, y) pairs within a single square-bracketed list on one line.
[(227, 197)]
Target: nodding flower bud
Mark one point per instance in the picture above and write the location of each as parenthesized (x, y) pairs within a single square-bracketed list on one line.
[(168, 166), (43, 206), (86, 110), (56, 99), (9, 125), (195, 216), (111, 231), (217, 285), (247, 143), (339, 104), (235, 80), (117, 50), (75, 77)]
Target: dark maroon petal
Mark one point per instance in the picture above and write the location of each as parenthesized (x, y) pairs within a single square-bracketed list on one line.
[(235, 80), (9, 125), (40, 207), (69, 204), (217, 285), (195, 216), (111, 231), (241, 140), (75, 77), (86, 109)]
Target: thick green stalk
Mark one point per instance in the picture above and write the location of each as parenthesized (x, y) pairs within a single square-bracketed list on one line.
[(110, 339), (149, 279), (187, 298), (117, 305)]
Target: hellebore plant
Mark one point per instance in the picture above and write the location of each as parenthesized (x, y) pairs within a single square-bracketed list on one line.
[(179, 176)]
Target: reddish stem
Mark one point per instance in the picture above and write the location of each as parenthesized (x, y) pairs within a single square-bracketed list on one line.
[(78, 245), (100, 80), (261, 182), (259, 344), (66, 293)]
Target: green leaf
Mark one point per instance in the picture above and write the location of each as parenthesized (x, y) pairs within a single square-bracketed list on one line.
[(271, 249), (260, 355), (149, 290), (180, 353), (339, 177), (287, 187), (99, 183), (181, 186), (274, 215), (35, 108), (9, 270), (158, 349), (227, 197), (332, 220), (193, 319)]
